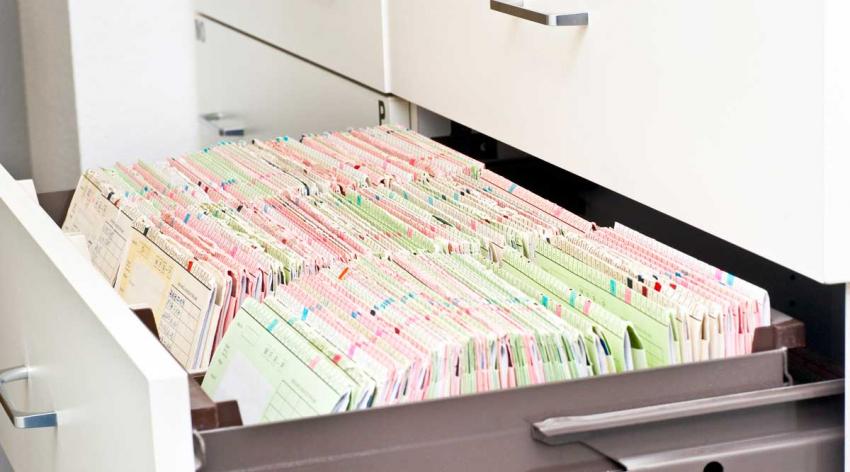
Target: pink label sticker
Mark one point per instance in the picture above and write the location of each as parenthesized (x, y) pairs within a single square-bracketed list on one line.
[(629, 296), (586, 308)]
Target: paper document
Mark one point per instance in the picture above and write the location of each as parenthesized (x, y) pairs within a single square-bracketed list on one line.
[(272, 372), (181, 300), (105, 226)]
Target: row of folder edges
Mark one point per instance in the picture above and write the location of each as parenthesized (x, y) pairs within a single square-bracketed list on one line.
[(376, 266)]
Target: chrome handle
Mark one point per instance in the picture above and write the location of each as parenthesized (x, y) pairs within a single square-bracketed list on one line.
[(516, 8), (22, 419), (223, 125), (555, 431)]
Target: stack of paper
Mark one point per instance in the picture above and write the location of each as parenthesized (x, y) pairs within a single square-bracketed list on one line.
[(375, 266)]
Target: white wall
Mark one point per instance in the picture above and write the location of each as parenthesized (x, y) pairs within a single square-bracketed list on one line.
[(107, 81), (14, 143)]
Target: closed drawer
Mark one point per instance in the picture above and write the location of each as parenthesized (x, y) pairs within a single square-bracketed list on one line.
[(342, 35), (264, 90), (708, 111)]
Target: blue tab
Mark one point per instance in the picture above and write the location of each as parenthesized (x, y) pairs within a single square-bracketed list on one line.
[(354, 314), (730, 279), (271, 325), (186, 218), (545, 301), (572, 298), (613, 287), (512, 188), (430, 200), (304, 314), (359, 200)]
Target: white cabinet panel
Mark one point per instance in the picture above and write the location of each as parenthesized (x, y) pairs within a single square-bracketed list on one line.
[(122, 401), (272, 92), (711, 111), (346, 36), (105, 81)]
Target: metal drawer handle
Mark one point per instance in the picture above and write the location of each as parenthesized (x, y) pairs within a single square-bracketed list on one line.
[(22, 419), (555, 431), (516, 8), (223, 125)]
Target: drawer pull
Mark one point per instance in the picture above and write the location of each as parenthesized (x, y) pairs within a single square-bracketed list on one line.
[(554, 431), (224, 127), (22, 419), (516, 8)]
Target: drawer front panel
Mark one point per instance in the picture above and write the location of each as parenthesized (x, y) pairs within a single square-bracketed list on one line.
[(709, 111), (492, 431), (271, 92), (342, 35), (121, 400)]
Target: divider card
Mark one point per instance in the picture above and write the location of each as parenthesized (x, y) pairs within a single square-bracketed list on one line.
[(105, 227), (181, 294), (273, 372)]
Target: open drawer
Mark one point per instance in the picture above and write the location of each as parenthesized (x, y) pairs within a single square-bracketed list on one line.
[(121, 402)]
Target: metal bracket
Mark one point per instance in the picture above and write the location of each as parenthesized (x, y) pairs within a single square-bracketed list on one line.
[(382, 112), (200, 31), (223, 125), (200, 449)]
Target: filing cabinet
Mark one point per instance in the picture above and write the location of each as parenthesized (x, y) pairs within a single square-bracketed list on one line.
[(683, 107)]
